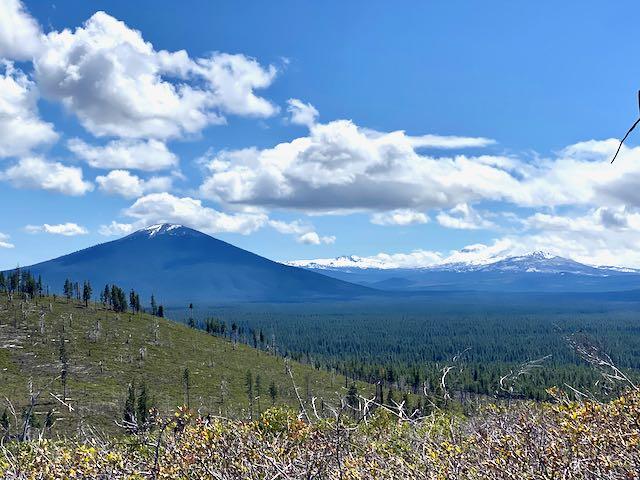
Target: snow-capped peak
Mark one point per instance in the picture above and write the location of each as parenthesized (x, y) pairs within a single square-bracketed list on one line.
[(537, 255), (160, 228), (534, 262), (345, 261)]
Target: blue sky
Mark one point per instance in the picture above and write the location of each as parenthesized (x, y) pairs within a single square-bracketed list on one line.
[(152, 112)]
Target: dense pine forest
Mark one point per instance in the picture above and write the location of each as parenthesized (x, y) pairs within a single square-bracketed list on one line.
[(406, 345)]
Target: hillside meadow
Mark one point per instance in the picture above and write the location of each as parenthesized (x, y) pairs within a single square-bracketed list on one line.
[(106, 352)]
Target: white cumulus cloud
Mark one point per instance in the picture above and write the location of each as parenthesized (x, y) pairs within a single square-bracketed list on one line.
[(21, 129), (401, 217), (65, 229), (302, 113), (166, 208), (464, 217), (116, 229), (150, 155), (119, 85), (4, 241), (304, 232), (37, 173), (20, 35), (125, 184), (312, 238), (341, 166)]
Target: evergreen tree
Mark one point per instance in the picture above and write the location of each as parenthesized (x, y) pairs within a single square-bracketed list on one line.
[(161, 311), (4, 421), (14, 280), (87, 291), (132, 301), (258, 391), (28, 285), (186, 381), (273, 392), (352, 397), (391, 401), (129, 415), (118, 299), (106, 296), (63, 357), (154, 306), (143, 405), (248, 382), (3, 284), (68, 289)]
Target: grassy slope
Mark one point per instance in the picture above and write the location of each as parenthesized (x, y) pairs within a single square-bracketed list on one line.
[(101, 369)]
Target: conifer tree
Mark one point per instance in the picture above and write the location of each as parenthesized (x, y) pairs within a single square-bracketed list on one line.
[(352, 397), (273, 392), (106, 296), (258, 391), (129, 415), (64, 365), (87, 291), (248, 382), (143, 405), (186, 381), (14, 280), (132, 301), (4, 422), (68, 289), (154, 306)]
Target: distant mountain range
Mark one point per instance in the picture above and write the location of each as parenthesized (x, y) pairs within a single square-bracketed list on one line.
[(180, 265), (537, 271)]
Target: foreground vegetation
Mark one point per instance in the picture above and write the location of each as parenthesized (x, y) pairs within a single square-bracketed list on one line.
[(561, 440)]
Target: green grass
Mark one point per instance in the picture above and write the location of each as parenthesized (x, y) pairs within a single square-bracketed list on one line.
[(125, 350)]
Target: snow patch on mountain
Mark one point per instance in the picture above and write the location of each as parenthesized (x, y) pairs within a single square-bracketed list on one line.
[(534, 262)]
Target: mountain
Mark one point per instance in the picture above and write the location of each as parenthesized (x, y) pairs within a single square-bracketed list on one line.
[(536, 271), (181, 265)]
